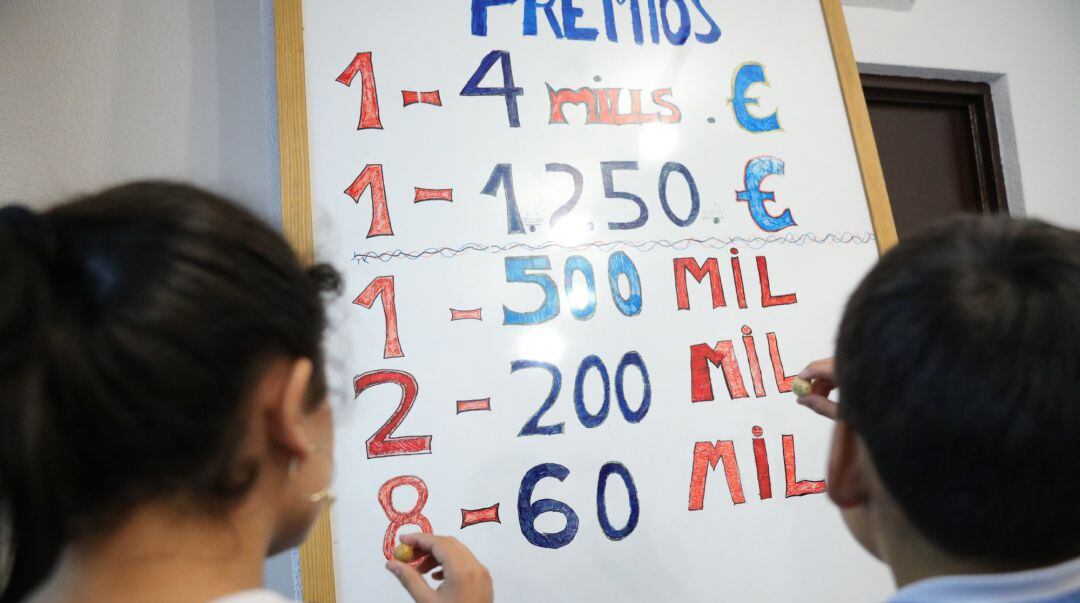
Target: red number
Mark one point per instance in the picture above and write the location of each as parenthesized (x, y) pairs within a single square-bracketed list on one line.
[(369, 99), (380, 443), (399, 519), (383, 287), (372, 177)]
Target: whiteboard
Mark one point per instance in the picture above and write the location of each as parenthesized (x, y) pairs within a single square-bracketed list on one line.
[(570, 309)]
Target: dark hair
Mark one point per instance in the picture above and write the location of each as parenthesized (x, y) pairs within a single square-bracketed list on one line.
[(133, 324), (958, 362)]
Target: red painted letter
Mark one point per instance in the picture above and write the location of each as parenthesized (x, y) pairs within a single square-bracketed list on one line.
[(769, 300), (755, 362), (706, 456), (797, 488), (761, 462), (783, 382), (723, 356), (683, 266), (581, 96)]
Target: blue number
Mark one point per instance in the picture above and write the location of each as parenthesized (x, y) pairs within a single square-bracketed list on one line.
[(574, 198), (590, 420), (619, 263), (585, 311), (516, 268), (633, 359), (748, 75), (473, 87), (504, 174), (695, 196), (757, 171), (529, 510), (532, 426), (606, 168), (601, 502)]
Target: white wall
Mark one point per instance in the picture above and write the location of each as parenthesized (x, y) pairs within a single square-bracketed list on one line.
[(1033, 45), (93, 92)]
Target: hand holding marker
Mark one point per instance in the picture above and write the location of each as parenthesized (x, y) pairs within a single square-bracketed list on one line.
[(463, 578), (813, 386)]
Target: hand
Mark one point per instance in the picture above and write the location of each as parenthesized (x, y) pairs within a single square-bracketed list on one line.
[(822, 375), (464, 579)]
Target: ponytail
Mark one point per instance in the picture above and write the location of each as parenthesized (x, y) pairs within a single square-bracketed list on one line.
[(29, 469), (132, 324)]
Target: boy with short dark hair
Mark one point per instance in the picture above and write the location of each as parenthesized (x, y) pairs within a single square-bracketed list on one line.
[(956, 455)]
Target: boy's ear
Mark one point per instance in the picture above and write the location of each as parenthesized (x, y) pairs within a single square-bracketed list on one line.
[(847, 480), (286, 408)]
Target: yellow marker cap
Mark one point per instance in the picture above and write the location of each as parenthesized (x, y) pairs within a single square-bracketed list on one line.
[(801, 387), (404, 553)]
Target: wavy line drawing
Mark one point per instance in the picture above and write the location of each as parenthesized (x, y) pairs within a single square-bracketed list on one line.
[(757, 242)]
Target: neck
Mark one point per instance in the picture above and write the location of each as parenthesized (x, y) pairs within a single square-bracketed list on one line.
[(162, 555), (913, 558), (912, 564)]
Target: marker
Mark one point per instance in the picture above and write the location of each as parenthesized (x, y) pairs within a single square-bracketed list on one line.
[(405, 553), (801, 387)]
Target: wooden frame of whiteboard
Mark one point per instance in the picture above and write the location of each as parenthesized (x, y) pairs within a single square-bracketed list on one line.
[(316, 554)]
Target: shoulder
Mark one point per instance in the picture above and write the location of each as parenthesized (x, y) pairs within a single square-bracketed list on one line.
[(253, 596), (1054, 584)]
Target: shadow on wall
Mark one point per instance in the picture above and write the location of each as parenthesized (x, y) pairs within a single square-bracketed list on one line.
[(193, 95)]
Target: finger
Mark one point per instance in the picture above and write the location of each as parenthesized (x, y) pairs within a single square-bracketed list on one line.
[(413, 582), (446, 551), (427, 563), (819, 369), (822, 387), (821, 405), (424, 541)]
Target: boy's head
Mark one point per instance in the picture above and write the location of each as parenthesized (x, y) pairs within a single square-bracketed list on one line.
[(958, 363)]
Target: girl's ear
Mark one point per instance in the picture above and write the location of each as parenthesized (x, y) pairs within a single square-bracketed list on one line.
[(286, 407), (847, 482)]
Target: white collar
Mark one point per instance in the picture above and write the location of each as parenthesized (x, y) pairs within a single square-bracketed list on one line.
[(1043, 584)]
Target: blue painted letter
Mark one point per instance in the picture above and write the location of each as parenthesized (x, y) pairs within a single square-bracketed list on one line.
[(529, 25), (681, 35), (570, 15), (479, 14), (635, 15), (714, 31), (757, 171), (748, 75)]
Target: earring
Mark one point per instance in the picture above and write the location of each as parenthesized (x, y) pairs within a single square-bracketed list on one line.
[(317, 497)]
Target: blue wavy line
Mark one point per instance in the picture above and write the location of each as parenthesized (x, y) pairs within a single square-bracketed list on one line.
[(846, 238)]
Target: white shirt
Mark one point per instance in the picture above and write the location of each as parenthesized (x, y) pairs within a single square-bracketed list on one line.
[(1054, 584), (259, 595)]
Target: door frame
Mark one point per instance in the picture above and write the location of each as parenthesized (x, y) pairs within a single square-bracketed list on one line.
[(976, 99)]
